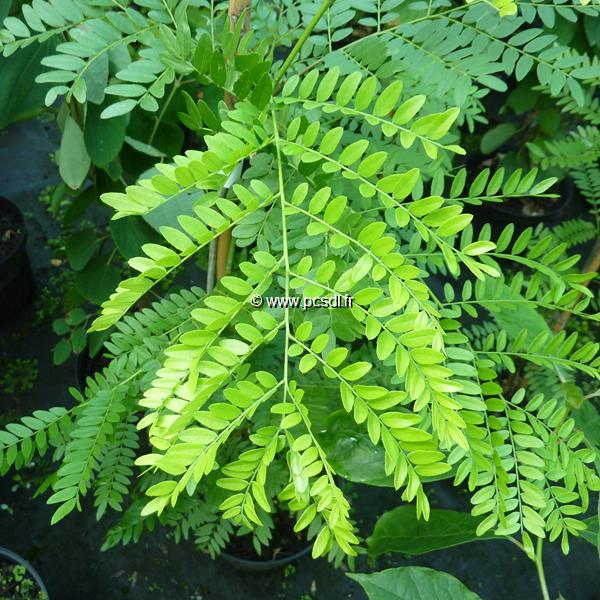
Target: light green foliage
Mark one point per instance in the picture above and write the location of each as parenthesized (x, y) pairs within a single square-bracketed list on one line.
[(19, 442), (100, 451), (488, 187), (198, 399), (552, 285), (354, 94), (334, 180), (534, 447)]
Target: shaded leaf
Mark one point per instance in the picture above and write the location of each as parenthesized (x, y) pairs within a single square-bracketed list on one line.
[(73, 159), (399, 530), (412, 583), (97, 280), (80, 247), (103, 138)]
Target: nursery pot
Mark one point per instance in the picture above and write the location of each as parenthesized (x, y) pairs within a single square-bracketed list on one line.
[(261, 566), (500, 214), (16, 280), (286, 547), (12, 558), (86, 367)]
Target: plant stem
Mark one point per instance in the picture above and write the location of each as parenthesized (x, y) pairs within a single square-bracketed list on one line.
[(161, 115), (212, 265), (230, 258), (217, 263), (290, 57), (237, 9), (539, 565), (286, 391), (516, 542)]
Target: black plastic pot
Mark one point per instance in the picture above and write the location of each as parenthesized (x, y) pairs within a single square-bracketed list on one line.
[(500, 214), (261, 566), (13, 557), (16, 281)]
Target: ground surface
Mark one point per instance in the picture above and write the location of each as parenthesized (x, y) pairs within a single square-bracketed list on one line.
[(68, 557)]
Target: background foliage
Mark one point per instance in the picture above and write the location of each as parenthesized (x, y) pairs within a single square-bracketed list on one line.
[(346, 147)]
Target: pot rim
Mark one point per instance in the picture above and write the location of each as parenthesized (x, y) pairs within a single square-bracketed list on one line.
[(16, 558), (267, 564)]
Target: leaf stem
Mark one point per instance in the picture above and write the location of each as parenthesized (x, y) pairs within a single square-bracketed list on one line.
[(212, 266), (301, 40), (539, 565), (286, 390), (165, 105), (211, 270), (237, 9), (516, 542)]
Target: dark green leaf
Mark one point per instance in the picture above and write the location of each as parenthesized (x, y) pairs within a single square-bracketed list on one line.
[(75, 316), (168, 212), (59, 326), (412, 583), (80, 248), (98, 280), (96, 340), (399, 530), (262, 92), (5, 9), (131, 233), (351, 452), (79, 205), (592, 533), (217, 69), (78, 339), (203, 54), (20, 96), (495, 137), (143, 148), (587, 419), (103, 138), (61, 352)]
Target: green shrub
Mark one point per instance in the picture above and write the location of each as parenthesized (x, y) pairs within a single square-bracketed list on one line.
[(333, 171)]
